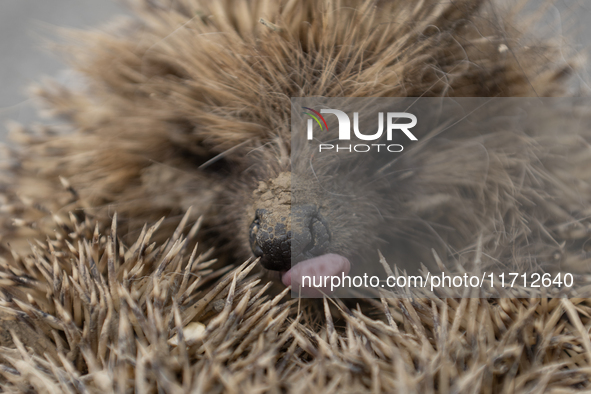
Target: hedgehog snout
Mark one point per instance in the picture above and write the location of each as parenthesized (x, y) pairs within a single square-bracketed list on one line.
[(285, 237)]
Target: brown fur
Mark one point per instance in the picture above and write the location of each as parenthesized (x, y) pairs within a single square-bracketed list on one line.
[(189, 107)]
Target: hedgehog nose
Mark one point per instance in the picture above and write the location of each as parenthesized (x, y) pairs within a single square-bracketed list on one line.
[(270, 239), (285, 238)]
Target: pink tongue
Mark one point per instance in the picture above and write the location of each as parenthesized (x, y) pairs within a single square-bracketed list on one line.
[(319, 267)]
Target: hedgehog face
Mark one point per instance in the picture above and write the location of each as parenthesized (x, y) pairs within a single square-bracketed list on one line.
[(287, 231), (285, 236), (273, 234), (311, 222)]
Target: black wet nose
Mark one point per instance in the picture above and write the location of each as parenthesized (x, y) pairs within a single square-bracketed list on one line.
[(271, 242), (287, 236)]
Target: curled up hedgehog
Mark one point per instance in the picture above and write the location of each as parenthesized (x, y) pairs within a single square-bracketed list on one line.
[(134, 231)]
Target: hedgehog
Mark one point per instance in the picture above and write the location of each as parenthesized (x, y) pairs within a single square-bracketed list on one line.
[(178, 136)]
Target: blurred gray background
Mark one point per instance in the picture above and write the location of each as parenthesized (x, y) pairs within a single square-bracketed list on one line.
[(24, 24)]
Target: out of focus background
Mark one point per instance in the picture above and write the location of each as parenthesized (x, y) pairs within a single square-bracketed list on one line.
[(24, 58), (25, 23)]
